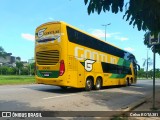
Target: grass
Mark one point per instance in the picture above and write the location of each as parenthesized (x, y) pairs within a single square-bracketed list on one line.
[(147, 79), (24, 79), (16, 79)]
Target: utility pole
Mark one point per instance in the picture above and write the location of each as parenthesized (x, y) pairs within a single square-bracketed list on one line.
[(154, 61), (106, 28), (147, 66)]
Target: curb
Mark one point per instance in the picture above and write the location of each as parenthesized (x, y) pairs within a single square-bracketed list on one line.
[(130, 107), (134, 105)]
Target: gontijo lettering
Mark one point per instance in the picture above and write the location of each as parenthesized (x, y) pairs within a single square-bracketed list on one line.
[(51, 32), (81, 53)]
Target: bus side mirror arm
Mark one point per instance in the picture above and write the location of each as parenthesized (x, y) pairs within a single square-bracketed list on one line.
[(138, 66)]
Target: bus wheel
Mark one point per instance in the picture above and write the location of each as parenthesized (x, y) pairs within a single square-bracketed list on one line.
[(98, 84), (89, 84), (128, 82)]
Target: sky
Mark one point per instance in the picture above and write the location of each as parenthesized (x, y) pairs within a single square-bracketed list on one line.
[(19, 19)]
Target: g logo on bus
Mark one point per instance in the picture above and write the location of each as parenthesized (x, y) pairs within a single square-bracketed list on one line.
[(88, 65), (41, 32)]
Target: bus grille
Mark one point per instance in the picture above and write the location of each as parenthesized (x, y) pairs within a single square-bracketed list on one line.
[(50, 57)]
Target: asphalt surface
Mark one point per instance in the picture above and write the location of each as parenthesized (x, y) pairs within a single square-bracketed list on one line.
[(38, 97)]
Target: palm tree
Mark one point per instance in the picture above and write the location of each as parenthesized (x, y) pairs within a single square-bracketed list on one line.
[(147, 62), (19, 66)]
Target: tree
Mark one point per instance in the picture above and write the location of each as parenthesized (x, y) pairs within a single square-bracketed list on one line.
[(141, 73), (4, 70), (19, 66), (31, 68), (25, 71), (157, 72), (11, 71), (2, 52), (145, 14)]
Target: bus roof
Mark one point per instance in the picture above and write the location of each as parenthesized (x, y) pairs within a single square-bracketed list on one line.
[(62, 22)]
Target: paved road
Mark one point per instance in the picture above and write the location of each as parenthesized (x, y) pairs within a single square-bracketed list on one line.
[(44, 97)]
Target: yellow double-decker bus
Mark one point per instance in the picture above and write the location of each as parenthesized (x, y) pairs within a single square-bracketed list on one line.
[(68, 57)]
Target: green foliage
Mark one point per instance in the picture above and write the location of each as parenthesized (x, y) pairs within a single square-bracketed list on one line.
[(2, 52), (142, 73), (145, 14), (105, 5), (5, 70), (19, 66), (11, 71), (19, 69), (25, 71)]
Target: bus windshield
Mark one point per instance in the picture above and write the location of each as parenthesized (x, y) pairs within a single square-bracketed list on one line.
[(47, 39)]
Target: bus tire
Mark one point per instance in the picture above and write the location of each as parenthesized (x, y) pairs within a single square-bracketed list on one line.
[(131, 80), (89, 84), (98, 84), (128, 82)]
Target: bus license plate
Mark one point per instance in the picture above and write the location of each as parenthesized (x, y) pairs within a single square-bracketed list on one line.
[(46, 74)]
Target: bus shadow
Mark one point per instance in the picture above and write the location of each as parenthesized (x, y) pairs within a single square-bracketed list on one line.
[(110, 87), (120, 97), (54, 89)]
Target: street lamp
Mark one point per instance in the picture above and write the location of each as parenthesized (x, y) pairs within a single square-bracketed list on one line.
[(106, 28)]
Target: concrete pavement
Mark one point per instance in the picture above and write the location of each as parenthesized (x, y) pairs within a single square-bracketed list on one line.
[(51, 98)]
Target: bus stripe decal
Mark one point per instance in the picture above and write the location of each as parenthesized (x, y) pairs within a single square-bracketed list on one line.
[(118, 71)]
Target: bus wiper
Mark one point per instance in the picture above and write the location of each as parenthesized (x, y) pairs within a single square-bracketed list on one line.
[(48, 39), (45, 40)]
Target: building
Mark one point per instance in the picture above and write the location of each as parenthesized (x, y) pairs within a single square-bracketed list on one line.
[(9, 60)]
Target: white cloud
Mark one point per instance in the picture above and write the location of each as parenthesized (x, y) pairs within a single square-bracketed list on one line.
[(121, 38), (28, 36), (101, 33), (50, 18), (129, 49)]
